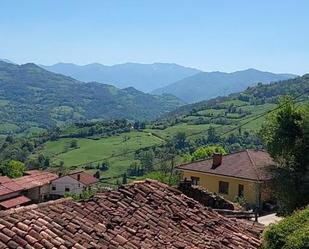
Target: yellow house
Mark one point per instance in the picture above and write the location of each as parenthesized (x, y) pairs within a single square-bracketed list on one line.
[(242, 174)]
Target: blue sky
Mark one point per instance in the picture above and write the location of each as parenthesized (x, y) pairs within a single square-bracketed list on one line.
[(210, 35)]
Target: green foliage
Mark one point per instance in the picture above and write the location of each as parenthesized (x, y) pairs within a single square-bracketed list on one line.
[(241, 200), (212, 136), (171, 180), (12, 168), (84, 195), (135, 169), (286, 138), (97, 174), (147, 160), (103, 166), (74, 144), (124, 179), (207, 152), (180, 141), (290, 233)]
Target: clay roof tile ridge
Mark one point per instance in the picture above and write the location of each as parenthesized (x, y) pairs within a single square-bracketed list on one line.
[(253, 164)]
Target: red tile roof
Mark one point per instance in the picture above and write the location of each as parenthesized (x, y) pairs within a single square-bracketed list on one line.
[(8, 187), (141, 215), (4, 179), (248, 164), (84, 178), (35, 178), (13, 202)]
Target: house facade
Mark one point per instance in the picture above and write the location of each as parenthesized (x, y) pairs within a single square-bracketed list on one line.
[(33, 187), (243, 174), (73, 183)]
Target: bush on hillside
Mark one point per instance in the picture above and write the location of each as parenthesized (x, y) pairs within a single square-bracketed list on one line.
[(290, 233)]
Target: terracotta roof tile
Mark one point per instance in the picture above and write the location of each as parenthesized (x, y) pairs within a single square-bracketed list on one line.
[(248, 164), (35, 178), (84, 178), (9, 187), (162, 218), (15, 201)]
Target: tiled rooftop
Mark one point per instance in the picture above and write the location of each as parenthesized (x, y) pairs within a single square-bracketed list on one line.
[(35, 178), (147, 214), (9, 187), (248, 164), (84, 178), (15, 201)]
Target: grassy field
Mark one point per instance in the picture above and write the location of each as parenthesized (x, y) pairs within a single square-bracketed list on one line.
[(189, 130), (95, 151), (195, 130)]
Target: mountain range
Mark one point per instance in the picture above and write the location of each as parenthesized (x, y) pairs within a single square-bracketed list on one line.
[(203, 86), (189, 84), (34, 98), (144, 77)]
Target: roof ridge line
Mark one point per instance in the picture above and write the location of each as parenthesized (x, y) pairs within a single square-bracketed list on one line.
[(209, 158), (32, 206), (253, 165)]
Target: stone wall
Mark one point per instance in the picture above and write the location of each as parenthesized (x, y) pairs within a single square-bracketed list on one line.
[(205, 197)]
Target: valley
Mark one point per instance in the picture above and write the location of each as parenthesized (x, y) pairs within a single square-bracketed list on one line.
[(154, 124), (234, 120)]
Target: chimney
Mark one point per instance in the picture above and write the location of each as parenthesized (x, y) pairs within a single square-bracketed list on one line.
[(78, 177), (216, 160)]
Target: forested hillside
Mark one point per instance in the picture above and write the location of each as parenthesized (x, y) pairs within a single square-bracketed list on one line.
[(204, 86), (253, 96), (32, 99)]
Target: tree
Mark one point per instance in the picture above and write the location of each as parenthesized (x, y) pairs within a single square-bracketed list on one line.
[(9, 139), (206, 152), (46, 162), (290, 233), (147, 158), (61, 167), (212, 136), (134, 168), (285, 135), (124, 179), (136, 125), (142, 125), (73, 144), (180, 141), (104, 165), (12, 168), (97, 174)]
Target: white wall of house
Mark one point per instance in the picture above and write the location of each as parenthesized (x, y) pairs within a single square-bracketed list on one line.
[(64, 185)]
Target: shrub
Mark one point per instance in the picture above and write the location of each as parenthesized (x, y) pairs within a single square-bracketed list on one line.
[(290, 233), (207, 151)]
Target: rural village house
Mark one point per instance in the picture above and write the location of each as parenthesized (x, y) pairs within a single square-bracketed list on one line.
[(73, 183), (146, 214), (244, 174), (32, 187)]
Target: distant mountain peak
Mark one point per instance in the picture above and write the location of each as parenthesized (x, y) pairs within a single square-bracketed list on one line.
[(205, 86), (7, 61), (143, 77)]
